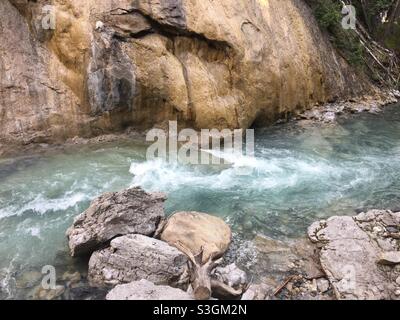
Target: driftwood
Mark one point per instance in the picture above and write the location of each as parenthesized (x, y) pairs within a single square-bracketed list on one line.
[(283, 285), (222, 290), (200, 276), (381, 61), (160, 228), (199, 272)]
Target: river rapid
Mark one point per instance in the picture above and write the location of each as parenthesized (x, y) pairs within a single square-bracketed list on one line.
[(302, 172)]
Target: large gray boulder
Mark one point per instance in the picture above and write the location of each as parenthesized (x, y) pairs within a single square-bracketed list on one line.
[(115, 214), (135, 257), (145, 290), (351, 249)]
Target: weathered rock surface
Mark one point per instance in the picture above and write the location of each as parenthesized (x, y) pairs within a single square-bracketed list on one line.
[(328, 113), (197, 230), (231, 275), (323, 285), (111, 64), (350, 250), (115, 214), (390, 258), (146, 290), (257, 292), (277, 260), (135, 257)]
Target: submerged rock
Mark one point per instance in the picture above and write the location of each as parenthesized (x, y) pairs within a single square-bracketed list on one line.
[(29, 279), (115, 214), (278, 260), (274, 256), (350, 249), (146, 290), (135, 257), (83, 291), (49, 294), (198, 231), (71, 277)]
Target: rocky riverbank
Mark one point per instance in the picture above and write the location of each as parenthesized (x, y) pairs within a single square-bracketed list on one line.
[(318, 113), (138, 253), (328, 113)]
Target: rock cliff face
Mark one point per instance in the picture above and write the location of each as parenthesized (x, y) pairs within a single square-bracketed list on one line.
[(116, 63)]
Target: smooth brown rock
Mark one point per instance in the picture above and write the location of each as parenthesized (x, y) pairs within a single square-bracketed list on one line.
[(197, 230)]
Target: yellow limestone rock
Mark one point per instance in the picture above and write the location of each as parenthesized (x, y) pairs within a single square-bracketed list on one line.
[(205, 63), (197, 230)]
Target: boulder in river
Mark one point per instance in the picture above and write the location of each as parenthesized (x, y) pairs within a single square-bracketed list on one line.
[(135, 257), (146, 290), (197, 230), (131, 211)]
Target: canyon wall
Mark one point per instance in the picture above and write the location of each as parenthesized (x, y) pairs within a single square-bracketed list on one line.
[(111, 64)]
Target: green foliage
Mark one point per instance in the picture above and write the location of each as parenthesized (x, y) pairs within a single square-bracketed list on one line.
[(379, 6), (329, 17), (348, 43), (392, 40), (328, 14)]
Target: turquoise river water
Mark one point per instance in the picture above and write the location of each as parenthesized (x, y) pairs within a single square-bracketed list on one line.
[(301, 173)]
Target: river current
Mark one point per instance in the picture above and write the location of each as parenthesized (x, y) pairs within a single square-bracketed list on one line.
[(301, 173)]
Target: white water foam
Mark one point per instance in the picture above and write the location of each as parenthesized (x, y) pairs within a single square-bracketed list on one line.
[(280, 171), (41, 204)]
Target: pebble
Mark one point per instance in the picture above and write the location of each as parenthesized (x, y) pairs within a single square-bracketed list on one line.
[(248, 225), (398, 281), (71, 277), (323, 285), (377, 229), (390, 258)]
